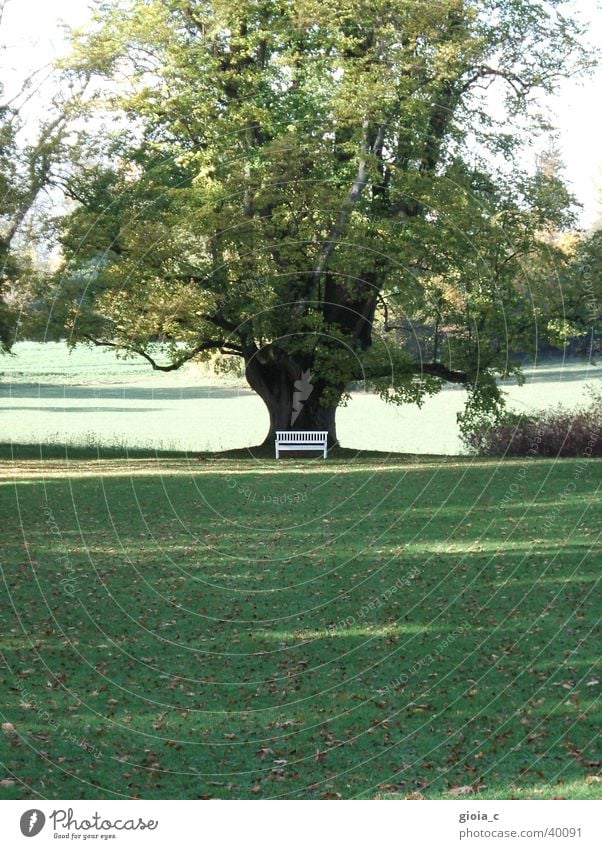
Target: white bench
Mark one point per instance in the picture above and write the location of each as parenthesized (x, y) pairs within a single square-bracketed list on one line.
[(301, 440)]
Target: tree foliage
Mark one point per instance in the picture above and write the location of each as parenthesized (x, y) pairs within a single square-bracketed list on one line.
[(29, 153), (324, 186)]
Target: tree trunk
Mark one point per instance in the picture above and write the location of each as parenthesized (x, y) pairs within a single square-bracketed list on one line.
[(294, 398), (312, 416)]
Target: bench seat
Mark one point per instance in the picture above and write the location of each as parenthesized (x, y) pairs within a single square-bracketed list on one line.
[(301, 440)]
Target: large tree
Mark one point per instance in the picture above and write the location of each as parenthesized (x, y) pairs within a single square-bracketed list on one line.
[(33, 125), (326, 190)]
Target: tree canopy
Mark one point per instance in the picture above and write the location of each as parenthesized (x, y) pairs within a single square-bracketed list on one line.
[(323, 188)]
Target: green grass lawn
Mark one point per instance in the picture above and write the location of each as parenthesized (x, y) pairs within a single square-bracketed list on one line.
[(236, 628)]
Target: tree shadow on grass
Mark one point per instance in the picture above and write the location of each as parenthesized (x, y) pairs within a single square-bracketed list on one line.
[(335, 680), (80, 409)]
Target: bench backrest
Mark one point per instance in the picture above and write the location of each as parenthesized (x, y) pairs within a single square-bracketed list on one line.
[(298, 436)]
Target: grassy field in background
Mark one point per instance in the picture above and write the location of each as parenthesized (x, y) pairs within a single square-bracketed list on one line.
[(89, 398), (237, 628)]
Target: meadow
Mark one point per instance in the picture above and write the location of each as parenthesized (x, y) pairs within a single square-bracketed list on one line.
[(241, 628), (90, 398)]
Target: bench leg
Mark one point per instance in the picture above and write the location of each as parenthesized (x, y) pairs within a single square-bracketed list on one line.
[(325, 451), (277, 453)]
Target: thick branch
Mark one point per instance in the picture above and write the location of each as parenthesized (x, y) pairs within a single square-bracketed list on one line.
[(420, 369), (519, 85), (220, 321), (353, 195), (439, 370), (216, 344)]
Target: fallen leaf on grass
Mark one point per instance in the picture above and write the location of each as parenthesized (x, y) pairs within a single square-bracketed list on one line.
[(264, 752), (461, 790), (576, 753)]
